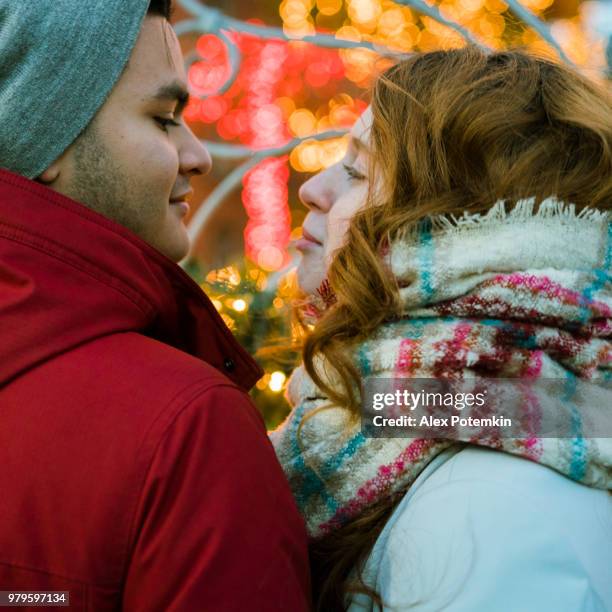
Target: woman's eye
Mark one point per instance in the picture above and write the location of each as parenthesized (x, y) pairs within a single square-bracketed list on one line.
[(164, 122), (352, 173)]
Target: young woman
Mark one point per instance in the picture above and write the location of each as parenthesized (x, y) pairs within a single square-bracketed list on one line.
[(466, 234)]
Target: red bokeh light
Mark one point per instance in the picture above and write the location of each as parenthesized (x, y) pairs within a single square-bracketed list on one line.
[(213, 108), (265, 200), (248, 113)]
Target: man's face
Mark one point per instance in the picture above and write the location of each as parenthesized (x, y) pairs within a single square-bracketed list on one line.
[(134, 162), (333, 197)]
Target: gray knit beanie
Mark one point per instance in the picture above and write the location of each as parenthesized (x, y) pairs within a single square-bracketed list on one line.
[(59, 61)]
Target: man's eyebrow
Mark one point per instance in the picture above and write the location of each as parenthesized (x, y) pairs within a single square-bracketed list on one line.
[(175, 91)]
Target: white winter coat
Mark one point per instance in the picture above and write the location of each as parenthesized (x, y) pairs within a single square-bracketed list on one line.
[(483, 531)]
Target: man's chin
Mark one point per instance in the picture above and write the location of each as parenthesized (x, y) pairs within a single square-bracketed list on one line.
[(177, 245)]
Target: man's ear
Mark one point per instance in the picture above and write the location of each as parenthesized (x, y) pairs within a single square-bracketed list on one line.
[(50, 175), (54, 171)]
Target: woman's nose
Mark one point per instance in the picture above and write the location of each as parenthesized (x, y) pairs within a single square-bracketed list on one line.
[(317, 192)]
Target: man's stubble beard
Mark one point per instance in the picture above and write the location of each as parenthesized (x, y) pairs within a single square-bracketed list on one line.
[(99, 183)]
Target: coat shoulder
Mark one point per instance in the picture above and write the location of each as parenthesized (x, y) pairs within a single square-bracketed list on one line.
[(484, 522), (80, 432)]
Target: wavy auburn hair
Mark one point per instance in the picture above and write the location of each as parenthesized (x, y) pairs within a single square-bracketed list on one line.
[(452, 131)]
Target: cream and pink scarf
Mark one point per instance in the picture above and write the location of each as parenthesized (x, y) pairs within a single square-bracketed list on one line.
[(508, 294)]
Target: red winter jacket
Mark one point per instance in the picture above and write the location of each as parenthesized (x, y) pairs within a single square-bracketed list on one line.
[(135, 472)]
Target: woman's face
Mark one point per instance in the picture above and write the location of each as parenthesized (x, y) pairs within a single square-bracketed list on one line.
[(332, 197)]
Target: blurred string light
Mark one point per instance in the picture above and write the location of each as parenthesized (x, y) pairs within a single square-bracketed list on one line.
[(255, 304), (257, 87), (239, 305), (247, 77), (265, 192), (277, 380), (297, 24), (264, 197)]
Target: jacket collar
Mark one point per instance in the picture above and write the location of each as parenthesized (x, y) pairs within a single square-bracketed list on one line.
[(69, 275)]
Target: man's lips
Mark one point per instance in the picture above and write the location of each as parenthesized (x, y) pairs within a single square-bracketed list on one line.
[(180, 201), (182, 205), (182, 197)]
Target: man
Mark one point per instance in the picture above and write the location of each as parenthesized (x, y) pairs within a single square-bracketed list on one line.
[(136, 473)]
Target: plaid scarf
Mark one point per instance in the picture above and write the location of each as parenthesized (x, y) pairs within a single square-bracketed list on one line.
[(508, 294)]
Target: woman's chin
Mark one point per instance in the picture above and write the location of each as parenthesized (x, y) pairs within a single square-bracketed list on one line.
[(310, 273)]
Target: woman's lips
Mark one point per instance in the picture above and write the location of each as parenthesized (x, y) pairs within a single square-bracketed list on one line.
[(307, 241), (306, 235)]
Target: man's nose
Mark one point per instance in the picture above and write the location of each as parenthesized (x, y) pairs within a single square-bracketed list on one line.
[(194, 157), (317, 193)]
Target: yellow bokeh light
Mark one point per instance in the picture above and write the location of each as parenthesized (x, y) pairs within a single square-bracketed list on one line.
[(391, 22), (471, 5), (305, 157), (359, 64), (286, 104), (491, 25), (324, 124), (405, 40), (329, 7), (427, 41), (332, 151), (343, 115), (278, 303), (293, 11), (349, 33), (438, 36), (312, 156), (302, 122), (297, 20), (496, 6), (299, 29), (262, 383), (537, 6), (229, 275), (217, 304), (456, 12), (277, 380), (234, 276), (384, 22), (295, 159), (364, 13), (239, 305), (340, 99)]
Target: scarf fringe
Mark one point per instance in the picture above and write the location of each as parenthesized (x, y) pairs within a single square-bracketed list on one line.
[(495, 295), (550, 208)]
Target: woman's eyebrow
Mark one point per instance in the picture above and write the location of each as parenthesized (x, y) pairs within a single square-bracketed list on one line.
[(359, 145)]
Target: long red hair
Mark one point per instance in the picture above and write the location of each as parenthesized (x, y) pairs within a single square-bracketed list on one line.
[(452, 131)]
